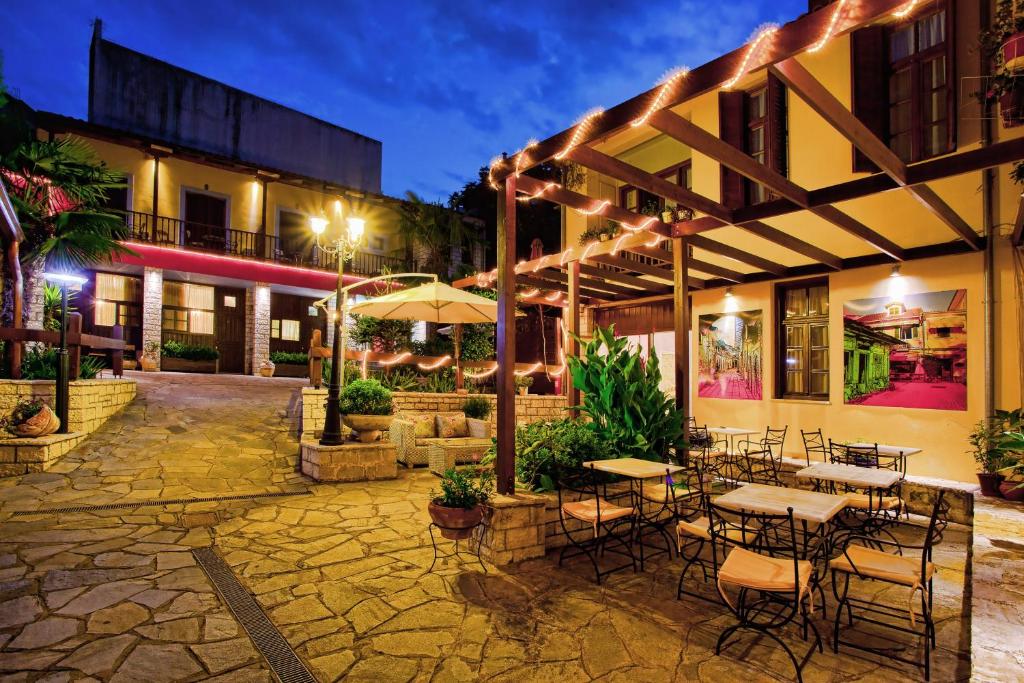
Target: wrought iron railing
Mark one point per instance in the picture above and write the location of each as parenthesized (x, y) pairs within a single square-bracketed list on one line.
[(175, 232)]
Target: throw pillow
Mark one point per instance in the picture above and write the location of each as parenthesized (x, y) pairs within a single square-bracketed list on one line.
[(423, 425), (452, 426)]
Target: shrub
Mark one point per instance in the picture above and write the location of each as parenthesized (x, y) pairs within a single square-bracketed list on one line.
[(477, 407), (544, 450), (288, 358), (459, 490), (441, 381), (366, 397), (399, 379), (42, 364), (173, 349)]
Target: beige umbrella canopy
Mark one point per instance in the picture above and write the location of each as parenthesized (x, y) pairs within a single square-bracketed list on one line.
[(434, 302)]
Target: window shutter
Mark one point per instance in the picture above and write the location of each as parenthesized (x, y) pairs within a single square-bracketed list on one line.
[(778, 127), (870, 87), (731, 123)]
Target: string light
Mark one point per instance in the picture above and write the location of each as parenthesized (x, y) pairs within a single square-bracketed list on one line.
[(905, 10), (579, 131), (533, 368), (601, 206), (490, 172), (395, 360), (547, 186), (443, 360), (618, 243), (831, 29), (656, 241), (529, 294), (762, 33), (650, 220), (590, 248), (668, 82), (565, 255), (521, 155), (481, 375), (553, 296)]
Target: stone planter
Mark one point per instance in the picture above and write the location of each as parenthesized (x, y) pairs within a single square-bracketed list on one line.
[(1010, 491), (455, 523), (368, 427), (169, 364), (990, 483), (43, 423)]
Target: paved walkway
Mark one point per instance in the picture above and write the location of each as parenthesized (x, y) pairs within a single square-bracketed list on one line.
[(114, 594)]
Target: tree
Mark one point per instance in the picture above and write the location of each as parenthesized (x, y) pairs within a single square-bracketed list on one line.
[(431, 229), (386, 336)]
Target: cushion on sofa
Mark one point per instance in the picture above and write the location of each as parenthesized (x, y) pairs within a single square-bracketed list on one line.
[(423, 425), (452, 426)]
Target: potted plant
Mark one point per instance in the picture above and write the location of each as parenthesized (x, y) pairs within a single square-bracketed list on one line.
[(150, 356), (290, 364), (984, 440), (684, 214), (267, 368), (1003, 46), (458, 509), (1012, 485), (668, 215), (477, 407), (523, 384), (178, 357), (31, 419), (366, 408)]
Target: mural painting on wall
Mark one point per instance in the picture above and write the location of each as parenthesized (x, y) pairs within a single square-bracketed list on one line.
[(907, 351), (729, 356)]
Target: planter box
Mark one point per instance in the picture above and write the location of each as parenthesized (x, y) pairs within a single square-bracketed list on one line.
[(168, 364), (291, 370)]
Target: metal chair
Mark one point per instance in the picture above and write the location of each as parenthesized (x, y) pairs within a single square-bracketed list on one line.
[(814, 442), (773, 440), (662, 501), (692, 529), (760, 467), (774, 587), (711, 457), (873, 564), (606, 520), (859, 456)]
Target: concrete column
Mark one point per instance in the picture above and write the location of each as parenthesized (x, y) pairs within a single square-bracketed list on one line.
[(152, 307), (258, 316)]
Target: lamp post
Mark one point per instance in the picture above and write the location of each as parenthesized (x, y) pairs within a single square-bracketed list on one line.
[(344, 247), (64, 280)]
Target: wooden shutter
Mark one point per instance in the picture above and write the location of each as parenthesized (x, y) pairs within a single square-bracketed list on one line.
[(778, 132), (869, 71), (731, 124)]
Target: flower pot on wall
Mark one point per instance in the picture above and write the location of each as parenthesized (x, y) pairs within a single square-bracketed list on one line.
[(1013, 52), (455, 523), (267, 369), (1012, 490), (147, 363), (368, 427), (43, 423), (990, 483)]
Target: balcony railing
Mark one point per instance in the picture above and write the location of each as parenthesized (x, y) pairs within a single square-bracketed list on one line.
[(175, 232)]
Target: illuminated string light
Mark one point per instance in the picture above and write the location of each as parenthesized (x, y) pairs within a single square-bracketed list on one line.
[(532, 369), (586, 252), (521, 155), (553, 296), (656, 241), (529, 294), (579, 131), (547, 186), (482, 374), (831, 29), (601, 206), (643, 226), (565, 255), (490, 172), (520, 267), (905, 10), (668, 82), (561, 368), (762, 32), (618, 243), (395, 360), (443, 360)]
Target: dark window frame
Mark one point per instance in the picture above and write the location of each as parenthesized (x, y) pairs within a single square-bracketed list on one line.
[(675, 170), (782, 323)]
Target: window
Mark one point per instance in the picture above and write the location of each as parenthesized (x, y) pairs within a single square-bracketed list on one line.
[(188, 308), (754, 122), (312, 312), (275, 329), (941, 332), (105, 313), (802, 361), (635, 199), (230, 301), (115, 300), (290, 330), (175, 319), (920, 99)]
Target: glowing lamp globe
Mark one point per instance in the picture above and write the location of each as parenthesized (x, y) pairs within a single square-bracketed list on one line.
[(318, 224), (66, 279), (356, 226)]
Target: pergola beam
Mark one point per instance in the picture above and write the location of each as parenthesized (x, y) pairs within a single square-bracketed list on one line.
[(858, 229), (817, 96), (645, 286), (712, 269), (662, 274), (553, 192), (702, 242), (787, 241), (540, 283), (586, 284), (631, 175)]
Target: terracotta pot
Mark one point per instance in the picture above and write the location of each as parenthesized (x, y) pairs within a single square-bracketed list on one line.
[(1011, 492), (523, 391), (368, 427), (455, 523), (147, 363), (1013, 52), (990, 483), (267, 371), (41, 424)]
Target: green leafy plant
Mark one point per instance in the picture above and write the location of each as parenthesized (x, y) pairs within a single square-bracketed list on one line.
[(523, 381), (52, 306), (463, 490), (198, 352), (441, 382), (378, 334), (609, 229), (23, 411), (90, 366), (622, 397), (984, 440), (352, 372), (650, 208), (477, 407), (288, 358), (399, 379), (41, 363), (545, 450), (366, 397)]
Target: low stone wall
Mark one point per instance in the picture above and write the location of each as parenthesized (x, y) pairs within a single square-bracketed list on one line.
[(348, 462), (513, 529), (529, 408), (90, 401)]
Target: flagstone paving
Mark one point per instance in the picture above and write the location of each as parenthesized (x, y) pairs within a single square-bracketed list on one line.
[(116, 595)]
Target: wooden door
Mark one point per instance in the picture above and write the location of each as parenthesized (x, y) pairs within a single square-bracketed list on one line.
[(205, 220), (230, 325)]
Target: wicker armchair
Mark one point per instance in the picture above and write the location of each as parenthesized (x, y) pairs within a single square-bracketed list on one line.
[(415, 450)]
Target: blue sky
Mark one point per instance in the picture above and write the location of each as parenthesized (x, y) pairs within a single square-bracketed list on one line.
[(444, 85)]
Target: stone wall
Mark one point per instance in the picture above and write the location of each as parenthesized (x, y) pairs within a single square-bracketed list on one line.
[(152, 308), (349, 462), (529, 408), (24, 456), (260, 325)]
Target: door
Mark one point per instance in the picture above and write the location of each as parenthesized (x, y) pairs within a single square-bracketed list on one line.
[(206, 218), (230, 314), (295, 241)]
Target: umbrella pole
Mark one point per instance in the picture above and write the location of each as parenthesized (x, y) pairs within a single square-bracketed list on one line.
[(459, 381)]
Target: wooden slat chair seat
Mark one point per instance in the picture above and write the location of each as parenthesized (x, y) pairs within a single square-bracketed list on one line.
[(591, 512), (878, 564), (863, 501), (747, 569)]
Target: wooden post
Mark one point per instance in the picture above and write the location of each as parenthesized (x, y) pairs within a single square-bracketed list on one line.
[(506, 387), (572, 327), (681, 317), (14, 348), (460, 382), (74, 350), (117, 355), (156, 198), (316, 362)]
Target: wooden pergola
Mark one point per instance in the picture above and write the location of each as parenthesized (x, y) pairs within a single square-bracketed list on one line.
[(653, 261)]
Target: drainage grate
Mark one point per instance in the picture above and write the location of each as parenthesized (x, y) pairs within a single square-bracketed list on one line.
[(159, 501), (283, 661)]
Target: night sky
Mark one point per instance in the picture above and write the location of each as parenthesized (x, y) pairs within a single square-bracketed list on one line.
[(444, 85)]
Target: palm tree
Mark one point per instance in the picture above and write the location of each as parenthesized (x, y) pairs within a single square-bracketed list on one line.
[(59, 188), (431, 229)]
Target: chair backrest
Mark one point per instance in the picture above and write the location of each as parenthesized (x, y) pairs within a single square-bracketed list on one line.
[(936, 528), (775, 439), (773, 535), (814, 442), (585, 483), (770, 465), (861, 456), (697, 490)]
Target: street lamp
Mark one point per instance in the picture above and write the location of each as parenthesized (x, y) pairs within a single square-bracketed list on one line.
[(64, 280), (344, 247)]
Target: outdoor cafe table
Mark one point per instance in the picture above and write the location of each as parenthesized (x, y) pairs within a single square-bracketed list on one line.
[(636, 470), (897, 453), (730, 433), (850, 475)]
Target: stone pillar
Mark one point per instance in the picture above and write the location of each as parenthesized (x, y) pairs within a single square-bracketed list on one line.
[(35, 288), (258, 319), (329, 337), (152, 308)]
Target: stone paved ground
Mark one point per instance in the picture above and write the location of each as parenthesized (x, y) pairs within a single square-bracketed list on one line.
[(115, 595)]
